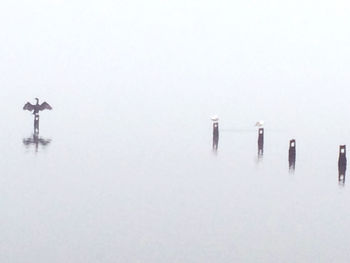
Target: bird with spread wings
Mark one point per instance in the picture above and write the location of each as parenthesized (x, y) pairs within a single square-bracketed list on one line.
[(37, 107)]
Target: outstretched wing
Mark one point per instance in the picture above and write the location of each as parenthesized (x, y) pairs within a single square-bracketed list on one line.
[(45, 106), (28, 106)]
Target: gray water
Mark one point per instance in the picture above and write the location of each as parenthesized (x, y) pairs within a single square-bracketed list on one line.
[(129, 174)]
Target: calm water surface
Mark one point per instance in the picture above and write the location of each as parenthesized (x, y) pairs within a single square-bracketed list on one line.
[(154, 191)]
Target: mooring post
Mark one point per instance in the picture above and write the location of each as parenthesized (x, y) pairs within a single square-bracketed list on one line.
[(36, 124), (342, 164), (215, 133), (260, 142), (292, 153)]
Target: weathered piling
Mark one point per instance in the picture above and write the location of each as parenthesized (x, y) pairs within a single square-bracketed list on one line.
[(342, 162), (292, 154), (215, 134), (260, 142), (36, 124)]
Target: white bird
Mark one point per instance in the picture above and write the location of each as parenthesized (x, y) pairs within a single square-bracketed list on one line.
[(215, 118), (260, 123)]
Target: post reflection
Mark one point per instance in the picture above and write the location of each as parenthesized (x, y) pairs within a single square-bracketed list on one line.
[(342, 162), (36, 140), (215, 143), (260, 143), (215, 133)]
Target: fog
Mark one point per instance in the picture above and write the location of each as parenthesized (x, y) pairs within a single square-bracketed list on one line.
[(129, 174)]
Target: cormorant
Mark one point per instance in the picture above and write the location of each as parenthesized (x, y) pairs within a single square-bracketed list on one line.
[(37, 107)]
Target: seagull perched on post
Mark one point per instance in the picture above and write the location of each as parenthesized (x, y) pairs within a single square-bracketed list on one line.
[(215, 118), (260, 123), (37, 107)]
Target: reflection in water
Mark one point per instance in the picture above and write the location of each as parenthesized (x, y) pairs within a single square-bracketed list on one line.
[(215, 134), (35, 139), (260, 143), (215, 143), (291, 156), (342, 164)]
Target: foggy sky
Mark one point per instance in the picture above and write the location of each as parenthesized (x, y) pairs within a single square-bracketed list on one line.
[(245, 58)]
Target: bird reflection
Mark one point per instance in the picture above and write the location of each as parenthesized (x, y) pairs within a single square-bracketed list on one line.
[(260, 143), (36, 141), (342, 162)]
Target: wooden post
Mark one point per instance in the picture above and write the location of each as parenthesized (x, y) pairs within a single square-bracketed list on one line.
[(36, 124), (292, 153), (215, 134), (342, 164), (260, 142)]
